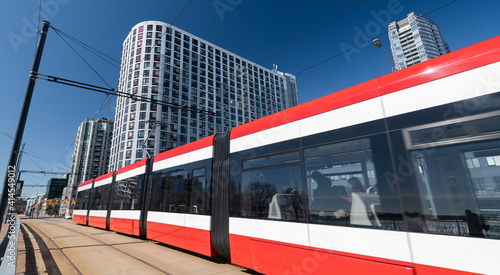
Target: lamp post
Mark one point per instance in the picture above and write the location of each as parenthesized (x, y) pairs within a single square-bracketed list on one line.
[(377, 43)]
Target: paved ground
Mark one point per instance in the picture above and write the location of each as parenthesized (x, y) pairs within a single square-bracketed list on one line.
[(58, 246)]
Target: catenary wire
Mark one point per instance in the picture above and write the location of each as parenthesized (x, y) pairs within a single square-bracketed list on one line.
[(170, 25), (38, 155), (28, 155), (64, 154), (54, 163), (369, 40), (85, 61), (106, 101), (118, 93), (91, 49), (311, 32)]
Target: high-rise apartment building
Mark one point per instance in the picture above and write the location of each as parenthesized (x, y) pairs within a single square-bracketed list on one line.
[(90, 158), (171, 65), (415, 39), (92, 147), (291, 84)]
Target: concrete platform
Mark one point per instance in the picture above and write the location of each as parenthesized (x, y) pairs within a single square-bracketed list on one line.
[(58, 246)]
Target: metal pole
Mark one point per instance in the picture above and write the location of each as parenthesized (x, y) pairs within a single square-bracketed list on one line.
[(9, 181), (389, 59)]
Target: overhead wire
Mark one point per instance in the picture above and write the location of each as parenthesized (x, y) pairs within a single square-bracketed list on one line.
[(83, 59), (311, 32), (368, 40), (34, 162), (38, 155), (55, 163), (87, 47), (117, 93), (64, 154), (95, 52), (106, 101), (163, 34), (91, 49)]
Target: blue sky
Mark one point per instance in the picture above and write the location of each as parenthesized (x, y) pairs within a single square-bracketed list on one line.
[(254, 29)]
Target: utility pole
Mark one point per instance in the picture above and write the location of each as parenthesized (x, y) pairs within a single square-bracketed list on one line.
[(9, 181)]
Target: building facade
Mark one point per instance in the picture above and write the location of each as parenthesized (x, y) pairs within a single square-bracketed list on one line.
[(90, 158), (55, 188), (171, 65), (415, 39)]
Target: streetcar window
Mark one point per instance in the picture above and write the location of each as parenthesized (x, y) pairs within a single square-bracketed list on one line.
[(458, 180), (169, 191), (458, 198), (331, 170), (285, 158), (345, 188), (82, 200), (101, 198), (474, 127), (198, 186), (127, 193), (274, 192)]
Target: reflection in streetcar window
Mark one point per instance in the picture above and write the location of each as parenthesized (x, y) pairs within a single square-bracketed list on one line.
[(127, 193), (169, 191), (342, 183), (179, 191), (82, 200), (458, 184), (101, 197), (273, 192), (344, 187)]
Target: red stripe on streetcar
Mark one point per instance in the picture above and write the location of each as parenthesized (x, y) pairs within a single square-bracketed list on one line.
[(474, 56), (272, 257), (85, 183), (190, 147), (103, 177), (462, 60), (132, 166)]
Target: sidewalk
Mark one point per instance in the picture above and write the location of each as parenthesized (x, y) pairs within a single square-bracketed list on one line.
[(24, 265), (26, 262)]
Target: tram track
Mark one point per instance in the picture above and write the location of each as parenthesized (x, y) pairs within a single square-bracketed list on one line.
[(47, 257), (32, 228), (76, 249)]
